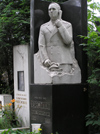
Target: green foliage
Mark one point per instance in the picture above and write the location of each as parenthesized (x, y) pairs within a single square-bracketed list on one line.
[(19, 132), (14, 30), (93, 119), (92, 49), (9, 118)]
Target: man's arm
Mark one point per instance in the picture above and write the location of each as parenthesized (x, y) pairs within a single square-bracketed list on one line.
[(42, 49), (65, 31)]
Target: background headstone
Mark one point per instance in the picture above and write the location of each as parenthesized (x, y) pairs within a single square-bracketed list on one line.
[(5, 99), (21, 82)]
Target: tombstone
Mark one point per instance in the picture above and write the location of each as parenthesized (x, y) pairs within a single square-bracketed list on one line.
[(21, 83), (59, 106), (4, 99)]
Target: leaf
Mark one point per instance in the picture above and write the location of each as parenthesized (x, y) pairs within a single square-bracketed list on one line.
[(98, 29), (89, 0), (96, 122), (89, 15), (89, 123)]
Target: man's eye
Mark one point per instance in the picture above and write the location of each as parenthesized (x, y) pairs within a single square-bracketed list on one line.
[(53, 8)]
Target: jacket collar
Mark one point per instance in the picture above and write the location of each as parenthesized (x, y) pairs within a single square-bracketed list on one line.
[(52, 29)]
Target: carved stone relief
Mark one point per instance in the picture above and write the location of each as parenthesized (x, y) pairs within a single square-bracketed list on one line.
[(55, 61)]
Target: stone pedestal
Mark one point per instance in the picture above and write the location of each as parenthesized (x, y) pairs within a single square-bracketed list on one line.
[(21, 82), (59, 108)]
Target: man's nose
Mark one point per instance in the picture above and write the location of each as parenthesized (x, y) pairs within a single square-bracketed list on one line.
[(51, 10)]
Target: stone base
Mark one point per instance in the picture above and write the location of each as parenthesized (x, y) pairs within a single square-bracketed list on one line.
[(59, 108), (42, 75)]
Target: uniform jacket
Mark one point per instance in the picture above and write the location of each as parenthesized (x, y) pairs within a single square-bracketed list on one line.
[(56, 44)]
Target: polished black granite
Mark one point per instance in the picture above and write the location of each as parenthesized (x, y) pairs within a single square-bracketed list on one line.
[(59, 108)]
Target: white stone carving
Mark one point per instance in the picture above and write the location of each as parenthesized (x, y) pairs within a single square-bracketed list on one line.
[(55, 62)]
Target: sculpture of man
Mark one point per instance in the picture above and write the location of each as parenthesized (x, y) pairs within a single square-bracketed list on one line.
[(56, 46)]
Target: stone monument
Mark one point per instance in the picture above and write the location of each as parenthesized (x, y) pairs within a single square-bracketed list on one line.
[(21, 82), (55, 60), (58, 89)]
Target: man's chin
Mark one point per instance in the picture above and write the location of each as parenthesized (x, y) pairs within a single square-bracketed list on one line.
[(53, 17)]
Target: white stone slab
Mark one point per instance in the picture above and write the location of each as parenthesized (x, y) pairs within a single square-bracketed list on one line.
[(5, 99), (21, 82)]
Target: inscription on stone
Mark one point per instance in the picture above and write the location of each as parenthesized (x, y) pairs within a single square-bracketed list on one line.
[(41, 113), (40, 109), (40, 105), (21, 99)]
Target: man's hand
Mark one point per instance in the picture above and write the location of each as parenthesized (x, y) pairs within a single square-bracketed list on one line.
[(58, 23), (47, 63)]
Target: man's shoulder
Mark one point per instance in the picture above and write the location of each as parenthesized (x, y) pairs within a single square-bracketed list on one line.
[(45, 24), (68, 24)]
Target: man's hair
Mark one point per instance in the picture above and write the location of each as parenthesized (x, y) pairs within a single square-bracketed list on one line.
[(57, 5)]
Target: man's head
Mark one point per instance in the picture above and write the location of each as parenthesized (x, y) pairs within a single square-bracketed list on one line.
[(53, 10), (56, 5)]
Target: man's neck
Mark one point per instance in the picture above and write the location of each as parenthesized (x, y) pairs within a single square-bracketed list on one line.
[(53, 21)]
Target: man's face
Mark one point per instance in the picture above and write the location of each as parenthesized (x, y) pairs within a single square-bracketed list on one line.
[(53, 11)]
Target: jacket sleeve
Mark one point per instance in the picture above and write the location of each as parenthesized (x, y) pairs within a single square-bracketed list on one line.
[(42, 46), (66, 33)]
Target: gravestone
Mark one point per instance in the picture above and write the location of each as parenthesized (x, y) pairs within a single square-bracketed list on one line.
[(4, 99), (60, 107), (21, 83)]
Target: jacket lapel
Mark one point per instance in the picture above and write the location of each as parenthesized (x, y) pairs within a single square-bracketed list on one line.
[(51, 28)]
